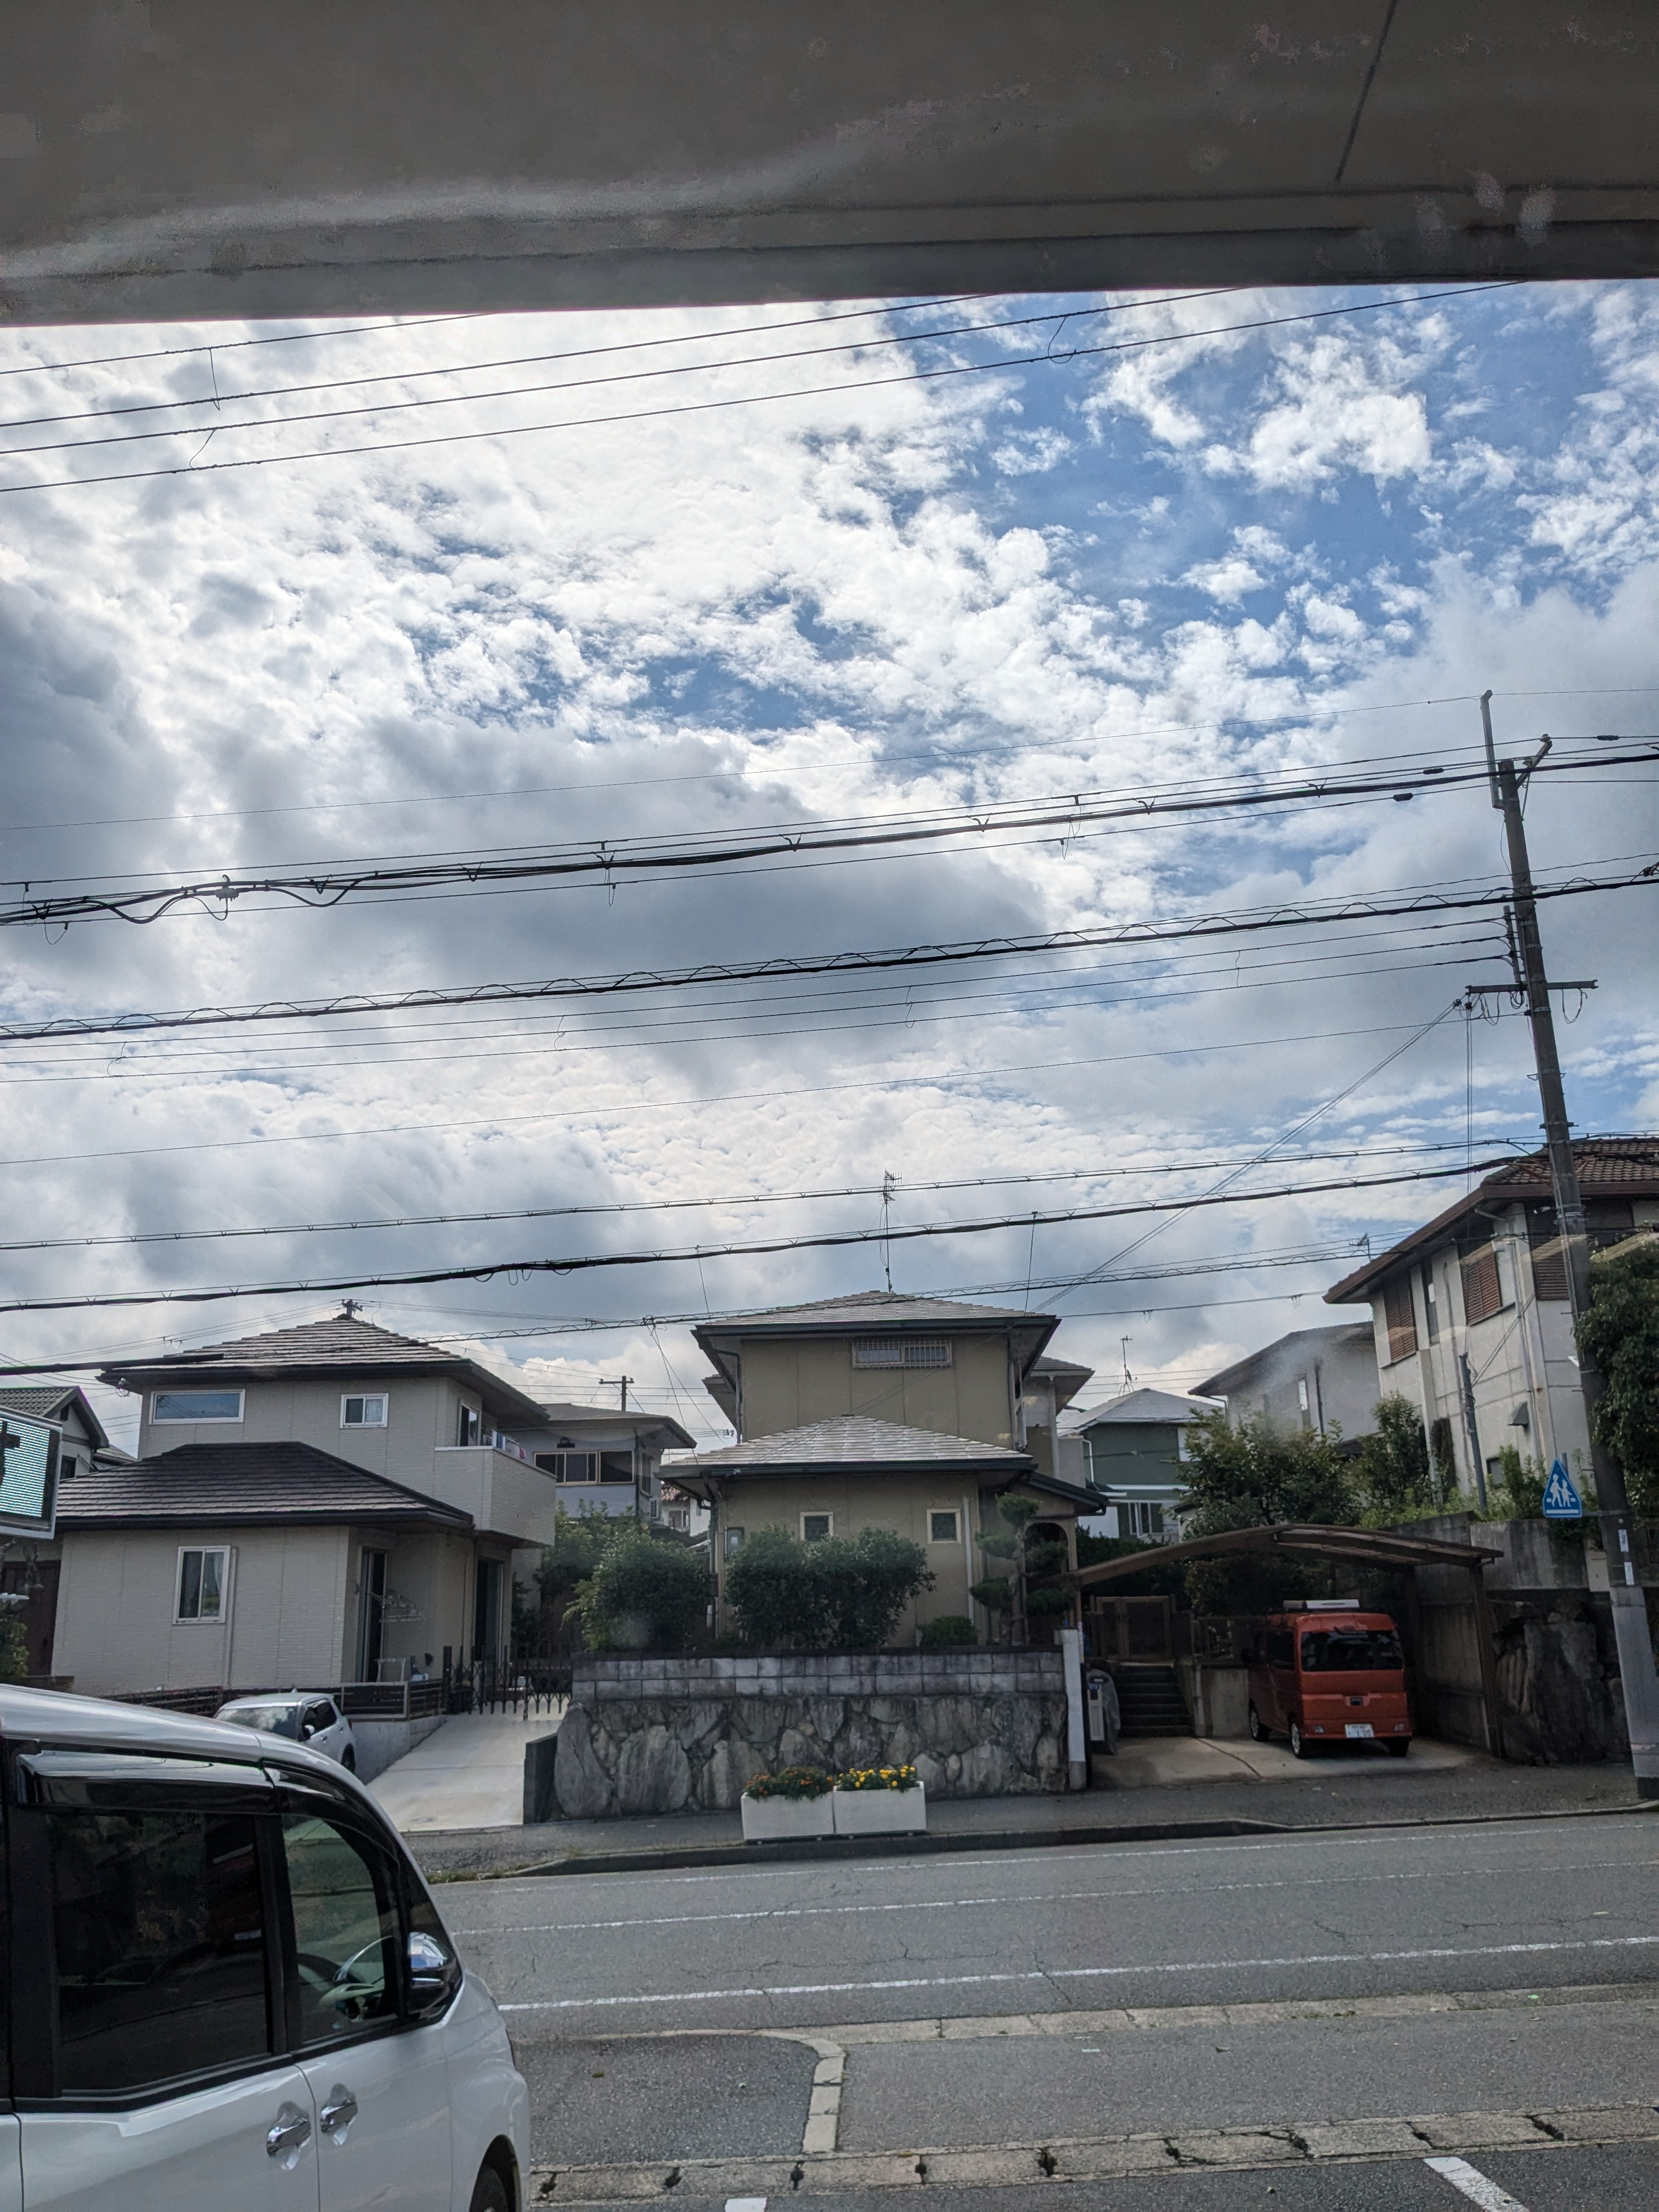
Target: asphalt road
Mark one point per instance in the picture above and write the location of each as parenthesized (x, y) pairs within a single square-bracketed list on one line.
[(1081, 1993)]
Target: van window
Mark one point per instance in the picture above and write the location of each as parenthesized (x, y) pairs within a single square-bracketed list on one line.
[(159, 1937), (1349, 1650), (346, 1934)]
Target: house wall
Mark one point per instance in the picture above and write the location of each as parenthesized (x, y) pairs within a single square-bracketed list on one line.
[(432, 1576), (792, 1383), (899, 1502), (421, 1412), (116, 1629), (1135, 1456)]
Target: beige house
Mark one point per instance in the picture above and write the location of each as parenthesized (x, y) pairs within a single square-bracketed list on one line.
[(1470, 1317), (881, 1410), (324, 1504)]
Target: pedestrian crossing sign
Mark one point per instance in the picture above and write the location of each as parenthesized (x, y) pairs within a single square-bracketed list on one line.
[(1561, 1500)]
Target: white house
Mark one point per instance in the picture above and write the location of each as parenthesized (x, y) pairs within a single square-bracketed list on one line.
[(1470, 1313), (1318, 1379)]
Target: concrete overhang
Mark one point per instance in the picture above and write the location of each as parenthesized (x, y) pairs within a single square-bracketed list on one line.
[(192, 159)]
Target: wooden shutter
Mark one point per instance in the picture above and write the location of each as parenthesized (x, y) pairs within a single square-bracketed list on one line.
[(1549, 1260), (1401, 1319), (1482, 1293)]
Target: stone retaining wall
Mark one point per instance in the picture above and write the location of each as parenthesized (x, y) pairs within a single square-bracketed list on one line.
[(677, 1736)]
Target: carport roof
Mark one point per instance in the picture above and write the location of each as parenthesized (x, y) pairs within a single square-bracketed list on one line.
[(245, 1485)]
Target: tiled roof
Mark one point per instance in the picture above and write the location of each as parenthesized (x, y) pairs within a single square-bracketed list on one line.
[(341, 1345), (1609, 1167), (244, 1485), (1160, 1406), (874, 1309), (855, 1441)]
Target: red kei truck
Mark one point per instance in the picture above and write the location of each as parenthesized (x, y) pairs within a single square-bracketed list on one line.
[(1323, 1672)]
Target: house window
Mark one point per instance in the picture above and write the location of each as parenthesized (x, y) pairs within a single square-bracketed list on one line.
[(202, 1578), (1302, 1394), (1431, 1304), (900, 1352), (68, 1468), (1399, 1317), (468, 1424), (815, 1527), (196, 1406), (566, 1466), (1483, 1293), (731, 1540), (364, 1412), (1138, 1518), (941, 1527)]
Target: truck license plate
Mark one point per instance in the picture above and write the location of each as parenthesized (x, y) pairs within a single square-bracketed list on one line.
[(1360, 1728)]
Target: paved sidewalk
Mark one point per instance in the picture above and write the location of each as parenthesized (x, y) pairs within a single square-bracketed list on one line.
[(1448, 1783)]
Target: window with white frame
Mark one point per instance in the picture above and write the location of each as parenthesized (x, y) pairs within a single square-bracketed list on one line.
[(204, 1584), (1136, 1517), (196, 1406), (900, 1351), (365, 1410), (942, 1527), (815, 1527)]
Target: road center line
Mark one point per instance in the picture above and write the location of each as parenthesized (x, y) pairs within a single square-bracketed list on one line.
[(1474, 2185), (1081, 1973), (1057, 1897)]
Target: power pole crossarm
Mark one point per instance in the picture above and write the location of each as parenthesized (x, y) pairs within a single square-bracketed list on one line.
[(1630, 1617)]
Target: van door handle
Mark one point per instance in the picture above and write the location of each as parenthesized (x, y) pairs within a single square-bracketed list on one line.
[(340, 2111), (289, 2135)]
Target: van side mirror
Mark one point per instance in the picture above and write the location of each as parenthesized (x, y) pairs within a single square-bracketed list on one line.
[(435, 1974)]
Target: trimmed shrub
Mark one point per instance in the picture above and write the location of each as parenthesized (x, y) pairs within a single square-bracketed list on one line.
[(948, 1633), (841, 1595), (647, 1594)]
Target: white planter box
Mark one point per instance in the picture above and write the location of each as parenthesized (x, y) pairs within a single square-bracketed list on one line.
[(770, 1820), (880, 1812)]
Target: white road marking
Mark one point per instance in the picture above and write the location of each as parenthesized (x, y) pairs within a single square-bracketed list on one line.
[(1056, 1896), (1474, 2185), (1079, 1973)]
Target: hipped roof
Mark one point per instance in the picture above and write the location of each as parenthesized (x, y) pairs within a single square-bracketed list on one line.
[(855, 1443), (245, 1485), (879, 1313)]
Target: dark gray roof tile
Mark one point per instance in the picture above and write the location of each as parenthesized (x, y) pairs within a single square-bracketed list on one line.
[(247, 1485)]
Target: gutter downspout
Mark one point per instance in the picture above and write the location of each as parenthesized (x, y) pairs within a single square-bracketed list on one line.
[(1470, 1430)]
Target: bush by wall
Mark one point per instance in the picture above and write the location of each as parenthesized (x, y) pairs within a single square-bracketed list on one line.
[(647, 1593), (948, 1631), (839, 1594)]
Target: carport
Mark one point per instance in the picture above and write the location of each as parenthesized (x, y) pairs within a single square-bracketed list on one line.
[(1388, 1549)]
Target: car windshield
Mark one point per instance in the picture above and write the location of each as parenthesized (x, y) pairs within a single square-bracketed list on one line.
[(276, 1720), (1349, 1650)]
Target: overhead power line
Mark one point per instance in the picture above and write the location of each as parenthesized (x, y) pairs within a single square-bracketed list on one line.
[(825, 1240), (1471, 895), (619, 1208), (911, 377)]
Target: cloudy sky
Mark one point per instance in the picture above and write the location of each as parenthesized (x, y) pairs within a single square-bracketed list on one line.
[(885, 563)]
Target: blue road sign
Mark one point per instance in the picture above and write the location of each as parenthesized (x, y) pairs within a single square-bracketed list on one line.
[(1561, 1501)]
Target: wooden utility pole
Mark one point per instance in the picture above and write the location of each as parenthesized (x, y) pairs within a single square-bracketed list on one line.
[(1630, 1613)]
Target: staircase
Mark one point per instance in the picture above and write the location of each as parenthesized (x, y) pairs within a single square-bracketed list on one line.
[(1150, 1701)]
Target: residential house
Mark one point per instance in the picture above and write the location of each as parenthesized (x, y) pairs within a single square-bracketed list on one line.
[(1470, 1313), (325, 1503), (883, 1411), (1134, 1450), (1318, 1379)]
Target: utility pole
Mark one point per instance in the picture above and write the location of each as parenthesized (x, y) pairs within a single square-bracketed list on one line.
[(1630, 1613), (619, 1382)]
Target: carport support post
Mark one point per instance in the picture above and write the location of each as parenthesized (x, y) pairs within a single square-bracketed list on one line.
[(1488, 1656), (1630, 1611), (1077, 1752)]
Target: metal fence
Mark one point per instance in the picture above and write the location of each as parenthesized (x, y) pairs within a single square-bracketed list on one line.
[(525, 1682)]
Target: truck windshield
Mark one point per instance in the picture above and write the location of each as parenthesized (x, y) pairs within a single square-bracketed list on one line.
[(1349, 1650)]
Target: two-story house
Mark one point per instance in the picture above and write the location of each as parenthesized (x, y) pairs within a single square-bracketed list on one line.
[(1135, 1453), (1470, 1314), (322, 1504), (1318, 1379), (883, 1411)]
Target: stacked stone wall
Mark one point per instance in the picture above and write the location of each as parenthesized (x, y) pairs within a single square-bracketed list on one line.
[(686, 1735)]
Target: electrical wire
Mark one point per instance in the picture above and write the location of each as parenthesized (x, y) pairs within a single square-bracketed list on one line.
[(821, 1240), (912, 377)]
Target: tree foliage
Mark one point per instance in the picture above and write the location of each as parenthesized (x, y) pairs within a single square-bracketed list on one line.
[(842, 1594), (1258, 1476), (13, 1645), (1035, 1561), (1621, 1333), (646, 1592), (1392, 1471)]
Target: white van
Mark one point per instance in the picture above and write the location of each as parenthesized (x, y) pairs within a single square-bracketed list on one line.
[(228, 1987)]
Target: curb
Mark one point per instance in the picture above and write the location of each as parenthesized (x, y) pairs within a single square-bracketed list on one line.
[(805, 1848)]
